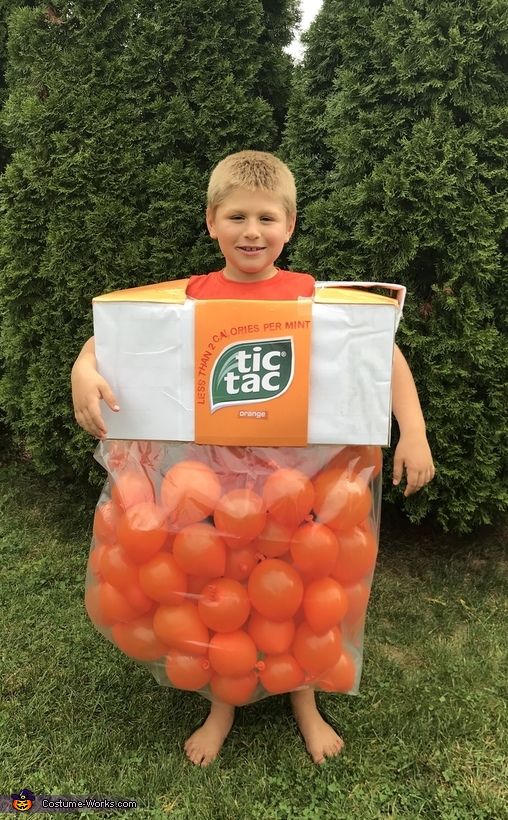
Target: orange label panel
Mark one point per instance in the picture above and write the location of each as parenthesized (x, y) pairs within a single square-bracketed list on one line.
[(252, 372)]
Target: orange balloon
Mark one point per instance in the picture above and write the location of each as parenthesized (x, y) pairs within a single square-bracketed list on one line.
[(138, 640), (94, 560), (170, 537), (281, 673), (130, 487), (180, 627), (240, 516), (364, 460), (314, 549), (113, 606), (117, 568), (357, 554), (325, 604), (315, 653), (307, 577), (187, 671), (274, 637), (199, 550), (289, 496), (358, 599), (93, 605), (275, 589), (232, 654), (274, 539), (190, 491), (162, 579), (240, 563), (195, 584), (342, 500), (137, 599), (224, 605), (234, 690), (142, 531), (341, 677), (105, 521)]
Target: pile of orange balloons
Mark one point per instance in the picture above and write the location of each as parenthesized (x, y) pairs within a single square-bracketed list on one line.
[(236, 572)]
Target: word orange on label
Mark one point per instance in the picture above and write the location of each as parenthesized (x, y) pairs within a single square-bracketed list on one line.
[(252, 372)]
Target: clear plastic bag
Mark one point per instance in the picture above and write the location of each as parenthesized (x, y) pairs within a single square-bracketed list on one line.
[(237, 572)]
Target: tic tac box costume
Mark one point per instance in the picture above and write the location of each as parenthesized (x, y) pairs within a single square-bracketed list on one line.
[(235, 539)]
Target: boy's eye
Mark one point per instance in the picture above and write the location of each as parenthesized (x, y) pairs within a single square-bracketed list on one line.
[(241, 217)]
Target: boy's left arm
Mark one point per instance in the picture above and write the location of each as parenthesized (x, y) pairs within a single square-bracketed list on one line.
[(412, 451)]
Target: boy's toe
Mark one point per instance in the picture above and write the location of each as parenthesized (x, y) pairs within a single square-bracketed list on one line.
[(195, 756)]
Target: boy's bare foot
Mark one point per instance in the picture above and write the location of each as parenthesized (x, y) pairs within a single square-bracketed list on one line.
[(205, 743), (320, 739)]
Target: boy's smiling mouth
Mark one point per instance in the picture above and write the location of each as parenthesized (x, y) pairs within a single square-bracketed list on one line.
[(250, 248)]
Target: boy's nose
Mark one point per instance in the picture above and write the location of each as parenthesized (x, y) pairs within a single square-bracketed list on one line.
[(251, 229)]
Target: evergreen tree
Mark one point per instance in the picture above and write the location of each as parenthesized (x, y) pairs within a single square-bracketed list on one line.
[(116, 113), (395, 134), (276, 67), (6, 7)]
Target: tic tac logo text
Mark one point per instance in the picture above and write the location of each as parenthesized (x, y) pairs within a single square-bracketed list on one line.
[(252, 372)]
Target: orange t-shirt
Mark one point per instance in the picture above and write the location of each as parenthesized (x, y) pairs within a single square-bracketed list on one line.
[(285, 284)]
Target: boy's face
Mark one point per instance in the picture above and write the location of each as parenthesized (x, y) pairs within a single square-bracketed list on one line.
[(251, 228)]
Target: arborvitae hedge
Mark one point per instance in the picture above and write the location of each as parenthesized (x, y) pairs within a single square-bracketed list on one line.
[(275, 71), (395, 133), (116, 113), (5, 8)]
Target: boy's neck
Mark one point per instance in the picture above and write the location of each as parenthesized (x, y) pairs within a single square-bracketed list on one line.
[(239, 276)]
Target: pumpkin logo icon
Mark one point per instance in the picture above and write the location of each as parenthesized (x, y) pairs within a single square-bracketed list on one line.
[(23, 801)]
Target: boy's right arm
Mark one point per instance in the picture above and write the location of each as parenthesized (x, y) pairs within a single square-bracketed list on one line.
[(88, 388)]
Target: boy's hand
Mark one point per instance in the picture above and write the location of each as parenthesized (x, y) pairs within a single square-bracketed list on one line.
[(88, 388), (413, 454)]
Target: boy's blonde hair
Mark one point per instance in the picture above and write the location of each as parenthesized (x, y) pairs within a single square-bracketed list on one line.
[(254, 170)]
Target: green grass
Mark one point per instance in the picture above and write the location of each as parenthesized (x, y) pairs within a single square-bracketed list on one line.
[(425, 738)]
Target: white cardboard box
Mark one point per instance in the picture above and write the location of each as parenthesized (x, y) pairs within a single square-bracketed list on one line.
[(144, 343)]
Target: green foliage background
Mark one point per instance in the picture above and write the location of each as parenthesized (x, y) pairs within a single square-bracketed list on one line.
[(114, 113), (396, 131)]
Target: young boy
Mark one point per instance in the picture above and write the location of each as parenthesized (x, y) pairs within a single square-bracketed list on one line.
[(252, 213)]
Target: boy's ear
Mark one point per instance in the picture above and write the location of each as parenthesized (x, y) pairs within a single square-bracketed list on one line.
[(210, 223), (291, 222)]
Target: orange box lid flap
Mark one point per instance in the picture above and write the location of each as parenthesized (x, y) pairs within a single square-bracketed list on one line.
[(346, 293), (359, 293), (172, 292)]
